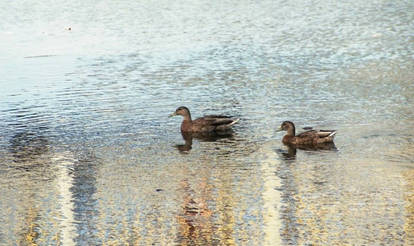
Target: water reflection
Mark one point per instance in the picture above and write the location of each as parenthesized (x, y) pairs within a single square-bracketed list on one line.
[(38, 165), (409, 215), (184, 148), (27, 145), (206, 137), (289, 231), (195, 219), (29, 140), (84, 204), (290, 153), (30, 227), (294, 204)]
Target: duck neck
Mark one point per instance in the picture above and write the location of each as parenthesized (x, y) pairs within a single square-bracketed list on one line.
[(187, 117), (187, 123), (291, 131)]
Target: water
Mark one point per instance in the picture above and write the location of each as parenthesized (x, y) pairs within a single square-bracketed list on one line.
[(89, 157)]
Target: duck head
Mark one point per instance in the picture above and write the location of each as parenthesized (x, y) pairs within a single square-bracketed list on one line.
[(183, 111), (287, 126)]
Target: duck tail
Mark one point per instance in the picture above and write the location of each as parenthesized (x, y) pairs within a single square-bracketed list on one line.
[(234, 122), (332, 134)]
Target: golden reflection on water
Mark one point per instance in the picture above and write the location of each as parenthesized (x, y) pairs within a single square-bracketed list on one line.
[(213, 201), (271, 197), (31, 235), (356, 205), (225, 204), (409, 198), (195, 222), (64, 182), (186, 202)]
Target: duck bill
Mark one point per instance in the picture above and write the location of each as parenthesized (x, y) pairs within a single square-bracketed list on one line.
[(279, 129), (172, 115)]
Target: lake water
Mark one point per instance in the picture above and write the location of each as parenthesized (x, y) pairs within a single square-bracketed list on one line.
[(88, 155)]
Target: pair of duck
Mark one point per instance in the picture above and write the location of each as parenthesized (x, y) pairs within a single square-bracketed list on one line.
[(220, 124)]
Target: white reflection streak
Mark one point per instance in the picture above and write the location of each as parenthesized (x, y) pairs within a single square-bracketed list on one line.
[(271, 197), (64, 162)]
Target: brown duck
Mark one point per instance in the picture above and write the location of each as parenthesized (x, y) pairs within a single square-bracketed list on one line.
[(311, 137), (207, 124)]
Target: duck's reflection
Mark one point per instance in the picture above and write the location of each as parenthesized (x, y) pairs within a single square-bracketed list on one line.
[(207, 137), (187, 146), (292, 190), (290, 153)]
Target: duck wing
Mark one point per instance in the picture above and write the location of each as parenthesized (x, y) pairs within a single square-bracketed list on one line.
[(315, 137), (215, 120), (326, 133), (317, 133), (308, 134)]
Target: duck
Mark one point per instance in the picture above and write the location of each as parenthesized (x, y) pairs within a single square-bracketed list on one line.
[(214, 124), (307, 138)]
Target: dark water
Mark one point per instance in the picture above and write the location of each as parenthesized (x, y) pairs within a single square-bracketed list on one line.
[(89, 157)]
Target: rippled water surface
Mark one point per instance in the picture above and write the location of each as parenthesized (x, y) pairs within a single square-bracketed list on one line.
[(88, 155)]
